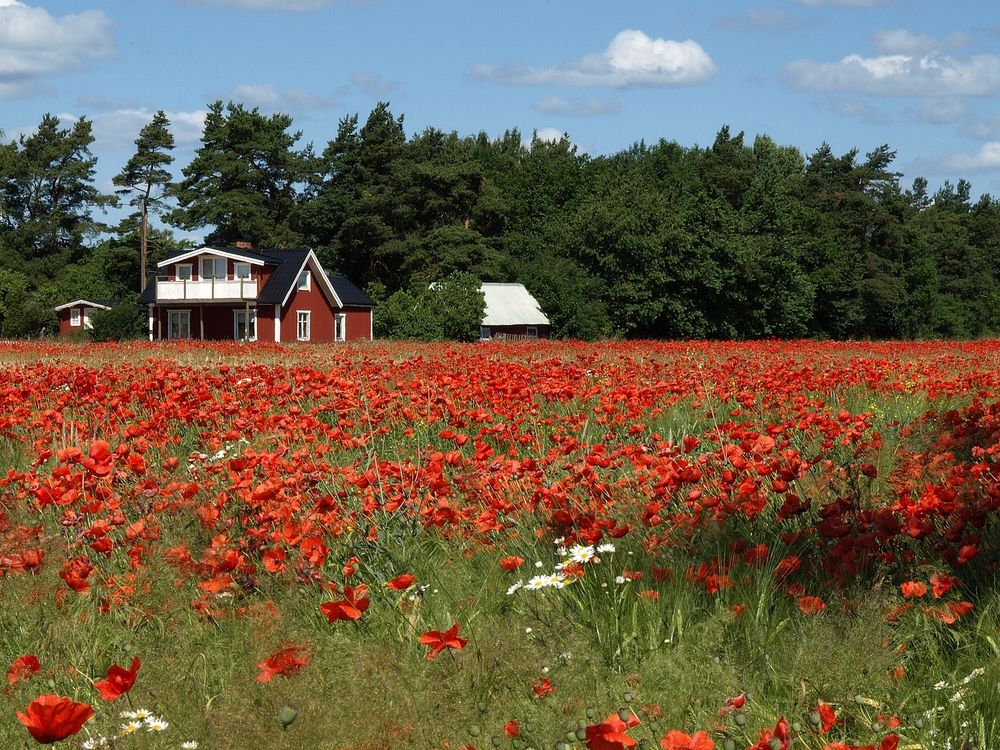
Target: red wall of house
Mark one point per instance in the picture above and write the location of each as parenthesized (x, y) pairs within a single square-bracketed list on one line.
[(358, 323), (265, 323), (321, 320), (218, 321), (64, 327)]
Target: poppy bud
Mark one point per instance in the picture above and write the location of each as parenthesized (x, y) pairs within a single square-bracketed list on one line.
[(729, 745), (571, 735), (740, 720), (481, 707), (814, 719), (775, 743), (287, 716), (591, 713), (876, 727), (623, 714), (628, 698), (796, 727), (581, 734), (474, 731)]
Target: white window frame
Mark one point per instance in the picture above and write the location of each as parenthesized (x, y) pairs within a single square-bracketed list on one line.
[(75, 319), (251, 319), (484, 332), (340, 327), (298, 325), (190, 272), (307, 286), (215, 264), (242, 271), (531, 332), (172, 313)]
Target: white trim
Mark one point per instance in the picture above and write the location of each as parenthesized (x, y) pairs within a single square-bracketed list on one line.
[(210, 251), (277, 324), (86, 302), (340, 321), (177, 272), (215, 261), (253, 316), (324, 279), (151, 322), (75, 317), (173, 310), (308, 314), (371, 324)]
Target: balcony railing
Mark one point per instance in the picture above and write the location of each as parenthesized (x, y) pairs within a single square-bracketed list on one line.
[(206, 289)]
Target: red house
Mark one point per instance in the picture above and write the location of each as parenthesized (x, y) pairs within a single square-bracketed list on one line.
[(240, 294), (74, 317)]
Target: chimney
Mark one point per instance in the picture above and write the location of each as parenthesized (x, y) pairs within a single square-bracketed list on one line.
[(244, 242)]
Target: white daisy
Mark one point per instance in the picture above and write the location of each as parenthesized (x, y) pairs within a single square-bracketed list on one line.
[(580, 554), (605, 548), (131, 727), (189, 745), (537, 582), (514, 588), (156, 724), (555, 580)]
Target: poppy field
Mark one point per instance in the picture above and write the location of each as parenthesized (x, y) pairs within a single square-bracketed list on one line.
[(687, 546)]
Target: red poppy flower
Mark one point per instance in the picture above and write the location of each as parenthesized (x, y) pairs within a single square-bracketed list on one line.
[(827, 717), (401, 582), (50, 718), (811, 605), (941, 584), (118, 681), (542, 687), (285, 662), (437, 641), (679, 741), (511, 563), (610, 734), (913, 589), (351, 607), (512, 729), (23, 668)]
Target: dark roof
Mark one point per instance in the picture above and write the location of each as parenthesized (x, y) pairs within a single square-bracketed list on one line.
[(148, 295), (349, 294), (281, 279)]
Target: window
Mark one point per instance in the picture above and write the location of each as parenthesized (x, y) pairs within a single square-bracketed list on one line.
[(74, 316), (303, 283), (178, 324), (532, 332), (339, 326), (213, 268), (242, 270), (302, 325), (484, 332), (244, 325), (184, 272)]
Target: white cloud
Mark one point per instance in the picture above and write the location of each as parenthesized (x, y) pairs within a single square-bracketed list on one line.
[(941, 110), (267, 96), (33, 44), (592, 107), (632, 59), (295, 6), (985, 129), (118, 129), (857, 109), (373, 84), (900, 75), (986, 159), (905, 42)]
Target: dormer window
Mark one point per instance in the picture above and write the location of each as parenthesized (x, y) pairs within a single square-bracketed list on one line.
[(213, 268), (242, 270), (303, 284)]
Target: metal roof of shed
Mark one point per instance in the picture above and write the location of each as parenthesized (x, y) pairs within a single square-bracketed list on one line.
[(511, 305)]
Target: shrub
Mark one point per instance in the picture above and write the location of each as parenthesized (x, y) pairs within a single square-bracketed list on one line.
[(122, 322)]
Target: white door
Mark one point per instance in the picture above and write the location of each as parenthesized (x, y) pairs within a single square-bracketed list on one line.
[(245, 326), (178, 324)]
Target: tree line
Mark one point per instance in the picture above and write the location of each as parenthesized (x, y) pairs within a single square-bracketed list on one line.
[(732, 240)]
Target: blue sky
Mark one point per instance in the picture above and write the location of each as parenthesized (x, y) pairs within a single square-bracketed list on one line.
[(920, 75)]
